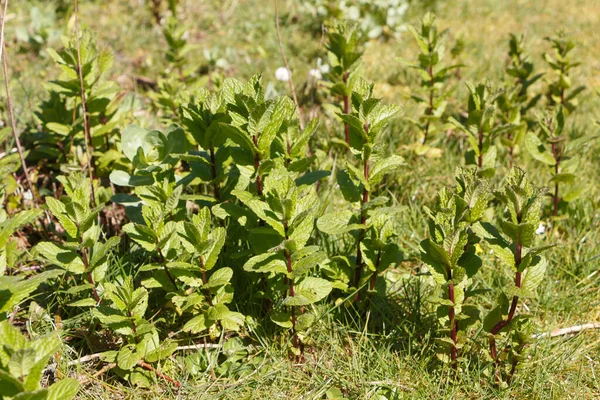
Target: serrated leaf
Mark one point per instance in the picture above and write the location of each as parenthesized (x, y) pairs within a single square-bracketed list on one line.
[(309, 291), (537, 150), (266, 263), (534, 275), (65, 389), (384, 167), (335, 223)]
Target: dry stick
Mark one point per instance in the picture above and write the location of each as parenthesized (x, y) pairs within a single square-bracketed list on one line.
[(568, 331), (96, 356), (285, 63), (86, 121), (9, 105), (158, 373)]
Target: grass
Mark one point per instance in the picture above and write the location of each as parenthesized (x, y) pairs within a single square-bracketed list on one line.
[(398, 361)]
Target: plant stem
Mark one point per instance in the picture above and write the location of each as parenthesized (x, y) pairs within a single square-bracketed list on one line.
[(291, 291), (10, 108), (363, 221), (90, 278), (213, 169), (480, 147), (555, 198), (167, 272), (346, 109), (374, 276), (205, 281), (429, 111), (451, 317), (159, 374), (259, 187), (86, 120), (513, 306)]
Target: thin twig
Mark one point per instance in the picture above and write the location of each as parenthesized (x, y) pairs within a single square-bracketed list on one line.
[(285, 63), (86, 121), (569, 330), (96, 356), (158, 373), (9, 105)]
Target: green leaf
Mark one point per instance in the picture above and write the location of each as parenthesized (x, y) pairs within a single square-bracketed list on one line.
[(217, 242), (266, 263), (122, 178), (61, 256), (220, 277), (65, 389), (282, 319), (538, 150), (335, 223), (9, 385), (534, 275), (304, 321), (197, 324), (309, 291), (16, 222), (57, 208), (384, 167), (238, 137), (128, 358), (21, 362), (132, 139), (142, 235)]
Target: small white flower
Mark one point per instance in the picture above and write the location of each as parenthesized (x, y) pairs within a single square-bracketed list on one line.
[(283, 74), (541, 229), (27, 195), (315, 74)]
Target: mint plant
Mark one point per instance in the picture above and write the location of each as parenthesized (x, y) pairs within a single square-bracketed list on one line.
[(451, 257), (433, 74), (550, 146), (367, 122), (561, 64), (17, 287), (204, 243), (289, 211), (82, 253), (513, 242), (344, 52), (123, 313), (22, 364), (515, 101), (481, 128)]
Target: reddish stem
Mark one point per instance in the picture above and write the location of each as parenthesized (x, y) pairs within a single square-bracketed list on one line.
[(158, 373), (346, 109), (513, 305)]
